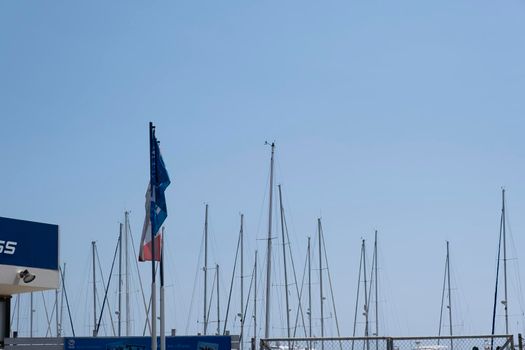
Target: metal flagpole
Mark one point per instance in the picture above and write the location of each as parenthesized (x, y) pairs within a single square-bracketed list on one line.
[(153, 184), (162, 301)]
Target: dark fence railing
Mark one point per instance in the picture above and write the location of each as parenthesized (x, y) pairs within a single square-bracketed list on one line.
[(481, 342)]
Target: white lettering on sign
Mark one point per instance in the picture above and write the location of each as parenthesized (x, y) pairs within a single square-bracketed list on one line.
[(7, 247)]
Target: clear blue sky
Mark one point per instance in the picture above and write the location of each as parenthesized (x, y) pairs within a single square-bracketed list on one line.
[(402, 116)]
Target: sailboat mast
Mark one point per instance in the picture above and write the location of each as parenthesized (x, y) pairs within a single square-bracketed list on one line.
[(309, 290), (366, 290), (57, 322), (442, 298), (218, 303), (205, 269), (449, 291), (357, 293), (62, 273), (321, 276), (242, 281), (120, 281), (505, 303), (376, 290), (269, 251), (284, 261), (94, 292), (375, 285), (126, 271), (255, 300), (449, 297)]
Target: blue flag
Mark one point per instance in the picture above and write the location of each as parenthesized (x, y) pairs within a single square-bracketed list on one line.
[(156, 209), (162, 181)]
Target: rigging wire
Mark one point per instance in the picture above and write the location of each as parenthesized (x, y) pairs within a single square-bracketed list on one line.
[(300, 298), (67, 300), (107, 289), (50, 318), (517, 275), (146, 309), (149, 304), (330, 284), (442, 298), (211, 296), (248, 298), (195, 280), (104, 283), (299, 308), (231, 284), (497, 277), (357, 294)]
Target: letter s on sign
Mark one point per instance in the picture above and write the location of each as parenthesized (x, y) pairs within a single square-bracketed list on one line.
[(10, 247)]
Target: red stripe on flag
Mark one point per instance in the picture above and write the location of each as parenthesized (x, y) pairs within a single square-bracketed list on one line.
[(146, 253)]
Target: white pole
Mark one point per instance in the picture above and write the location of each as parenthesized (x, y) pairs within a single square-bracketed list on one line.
[(162, 304), (242, 283), (152, 232), (120, 281), (205, 268), (94, 292), (126, 271), (31, 318), (269, 253)]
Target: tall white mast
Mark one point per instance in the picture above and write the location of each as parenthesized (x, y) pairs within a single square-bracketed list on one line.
[(269, 251), (120, 280), (62, 273), (205, 268), (309, 290), (506, 301), (449, 297), (376, 285), (366, 289), (57, 320), (242, 282), (218, 303), (284, 261), (126, 271), (321, 277), (94, 290), (255, 301)]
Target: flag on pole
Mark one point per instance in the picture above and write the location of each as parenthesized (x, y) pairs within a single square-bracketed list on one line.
[(160, 211)]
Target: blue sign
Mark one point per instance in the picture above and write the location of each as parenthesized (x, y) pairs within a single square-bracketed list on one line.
[(28, 244), (144, 343)]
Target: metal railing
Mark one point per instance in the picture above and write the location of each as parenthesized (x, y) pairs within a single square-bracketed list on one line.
[(34, 343), (481, 342)]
